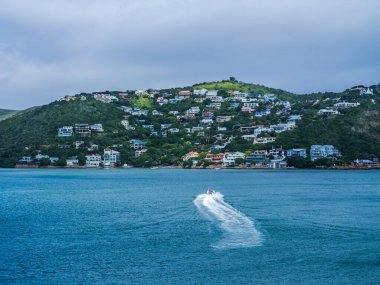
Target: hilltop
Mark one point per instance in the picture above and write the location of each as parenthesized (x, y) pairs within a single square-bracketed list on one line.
[(196, 125)]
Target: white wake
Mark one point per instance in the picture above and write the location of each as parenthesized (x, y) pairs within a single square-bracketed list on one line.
[(238, 230)]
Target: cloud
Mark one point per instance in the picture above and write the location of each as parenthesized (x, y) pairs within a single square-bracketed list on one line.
[(52, 48)]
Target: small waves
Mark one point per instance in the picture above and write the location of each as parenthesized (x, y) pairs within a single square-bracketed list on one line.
[(238, 230)]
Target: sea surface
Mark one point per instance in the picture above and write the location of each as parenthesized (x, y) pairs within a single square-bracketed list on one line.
[(146, 226)]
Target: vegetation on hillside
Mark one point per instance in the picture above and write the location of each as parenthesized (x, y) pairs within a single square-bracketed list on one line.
[(355, 132)]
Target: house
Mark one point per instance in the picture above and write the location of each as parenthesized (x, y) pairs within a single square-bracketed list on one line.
[(196, 129), (296, 152), (222, 119), (150, 127), (294, 118), (78, 144), (263, 140), (82, 129), (214, 105), (175, 100), (72, 161), (258, 157), (234, 105), (193, 110), (139, 152), (184, 94), (93, 147), (110, 157), (105, 98), (207, 121), (93, 160), (328, 112), (25, 160), (211, 93), (97, 128), (366, 91), (138, 112), (215, 158), (173, 113), (321, 151), (140, 93), (248, 137), (250, 104), (345, 105), (165, 126), (191, 154), (279, 128), (262, 113), (173, 130), (66, 131), (366, 162), (200, 92), (162, 101), (40, 156), (156, 113), (277, 163), (215, 99), (68, 98), (207, 115), (229, 158), (222, 129), (248, 109), (137, 144), (53, 159)]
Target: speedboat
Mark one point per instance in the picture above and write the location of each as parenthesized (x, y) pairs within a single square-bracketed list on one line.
[(210, 191)]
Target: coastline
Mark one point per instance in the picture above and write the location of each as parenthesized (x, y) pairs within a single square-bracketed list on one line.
[(202, 168)]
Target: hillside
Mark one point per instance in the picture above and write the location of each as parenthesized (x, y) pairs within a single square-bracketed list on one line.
[(4, 114), (236, 117)]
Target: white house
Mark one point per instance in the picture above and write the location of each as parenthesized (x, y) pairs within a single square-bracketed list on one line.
[(139, 152), (345, 105), (98, 128), (264, 140), (319, 151), (66, 131), (72, 161), (93, 160), (137, 144), (111, 157), (328, 112), (296, 152), (189, 155), (230, 157)]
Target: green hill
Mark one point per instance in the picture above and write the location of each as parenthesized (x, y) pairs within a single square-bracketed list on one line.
[(5, 114), (355, 132)]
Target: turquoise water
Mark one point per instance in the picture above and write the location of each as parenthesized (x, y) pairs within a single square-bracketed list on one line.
[(137, 226)]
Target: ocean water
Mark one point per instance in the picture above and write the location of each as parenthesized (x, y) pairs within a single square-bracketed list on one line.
[(143, 226)]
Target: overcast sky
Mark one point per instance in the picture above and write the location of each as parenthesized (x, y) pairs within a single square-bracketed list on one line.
[(52, 48)]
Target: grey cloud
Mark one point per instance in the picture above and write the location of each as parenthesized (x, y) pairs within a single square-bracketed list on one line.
[(52, 48)]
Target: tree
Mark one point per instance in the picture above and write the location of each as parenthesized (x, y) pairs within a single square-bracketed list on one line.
[(239, 161), (44, 162)]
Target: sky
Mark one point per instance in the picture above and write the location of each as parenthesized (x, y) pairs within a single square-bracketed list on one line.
[(53, 48)]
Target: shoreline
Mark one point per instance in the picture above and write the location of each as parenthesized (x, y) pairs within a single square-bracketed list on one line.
[(199, 167)]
